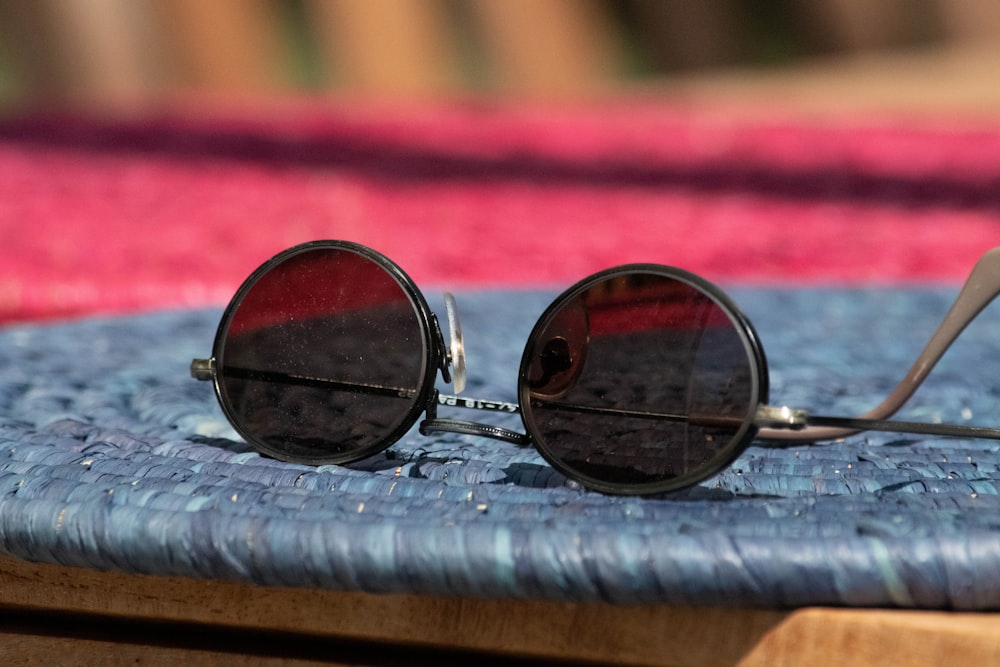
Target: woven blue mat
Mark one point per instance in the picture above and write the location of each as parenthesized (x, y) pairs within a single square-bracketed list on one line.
[(111, 457)]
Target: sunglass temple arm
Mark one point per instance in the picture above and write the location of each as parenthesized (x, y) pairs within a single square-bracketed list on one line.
[(981, 287)]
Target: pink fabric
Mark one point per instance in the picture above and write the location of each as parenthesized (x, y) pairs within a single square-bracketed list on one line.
[(176, 211)]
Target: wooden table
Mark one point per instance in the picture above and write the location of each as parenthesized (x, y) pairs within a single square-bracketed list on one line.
[(72, 615)]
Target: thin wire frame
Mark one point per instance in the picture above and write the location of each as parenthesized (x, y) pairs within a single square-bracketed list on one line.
[(431, 343), (744, 427), (980, 289)]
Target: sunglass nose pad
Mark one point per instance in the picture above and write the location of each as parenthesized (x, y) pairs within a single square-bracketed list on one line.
[(456, 350)]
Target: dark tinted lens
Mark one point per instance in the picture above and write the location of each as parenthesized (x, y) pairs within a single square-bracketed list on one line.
[(640, 380), (324, 357)]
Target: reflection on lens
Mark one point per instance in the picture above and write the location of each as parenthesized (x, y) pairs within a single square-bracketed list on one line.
[(660, 388), (323, 357)]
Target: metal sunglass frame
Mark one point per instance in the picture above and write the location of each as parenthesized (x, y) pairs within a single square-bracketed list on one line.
[(781, 426)]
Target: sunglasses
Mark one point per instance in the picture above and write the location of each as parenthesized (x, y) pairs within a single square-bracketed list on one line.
[(640, 379)]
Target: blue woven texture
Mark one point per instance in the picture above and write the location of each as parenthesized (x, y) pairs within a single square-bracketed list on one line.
[(112, 457)]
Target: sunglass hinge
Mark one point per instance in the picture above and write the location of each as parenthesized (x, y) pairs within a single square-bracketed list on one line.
[(203, 369), (783, 417)]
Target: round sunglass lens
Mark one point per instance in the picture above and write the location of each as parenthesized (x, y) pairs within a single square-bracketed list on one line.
[(641, 380), (322, 356)]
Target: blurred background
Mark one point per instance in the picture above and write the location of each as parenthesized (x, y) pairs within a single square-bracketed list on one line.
[(694, 132), (135, 54)]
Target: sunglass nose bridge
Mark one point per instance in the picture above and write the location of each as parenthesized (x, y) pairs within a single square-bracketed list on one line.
[(456, 349)]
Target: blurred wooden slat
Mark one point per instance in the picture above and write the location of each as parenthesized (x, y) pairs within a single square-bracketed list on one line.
[(81, 50), (681, 34), (226, 46), (109, 53), (971, 20), (555, 47), (958, 82), (860, 26), (864, 25), (387, 47)]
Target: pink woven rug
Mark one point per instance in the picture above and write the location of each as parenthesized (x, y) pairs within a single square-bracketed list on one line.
[(175, 211)]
